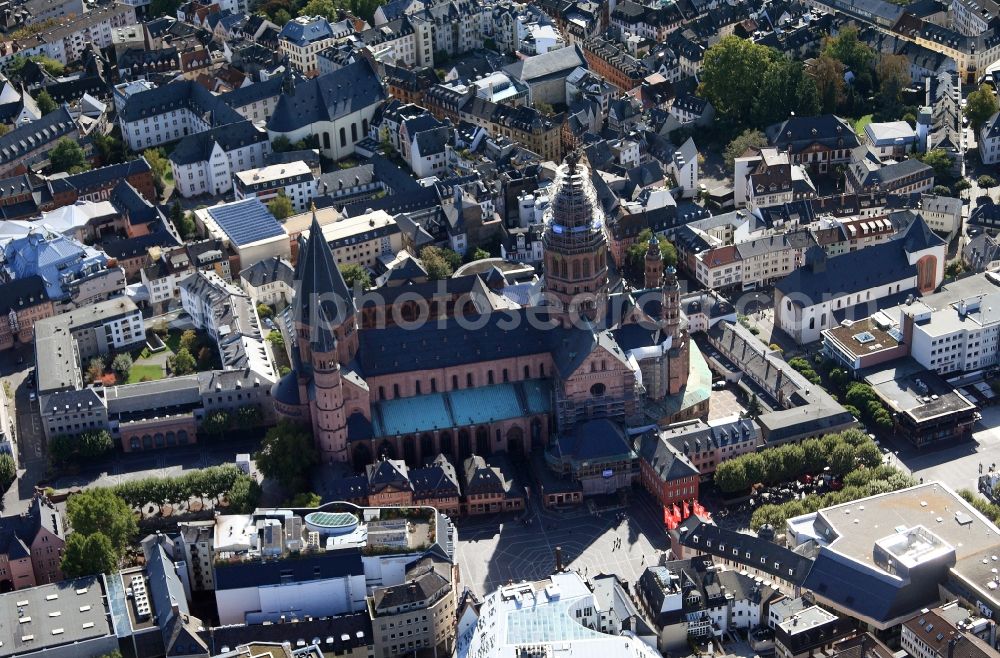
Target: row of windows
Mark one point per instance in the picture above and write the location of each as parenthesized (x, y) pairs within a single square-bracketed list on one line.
[(469, 381)]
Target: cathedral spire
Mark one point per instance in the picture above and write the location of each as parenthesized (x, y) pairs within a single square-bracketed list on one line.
[(323, 301)]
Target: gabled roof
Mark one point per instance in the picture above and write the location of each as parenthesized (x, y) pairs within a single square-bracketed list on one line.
[(198, 146), (328, 97), (554, 63)]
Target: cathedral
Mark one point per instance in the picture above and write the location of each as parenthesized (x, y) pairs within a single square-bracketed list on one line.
[(478, 380)]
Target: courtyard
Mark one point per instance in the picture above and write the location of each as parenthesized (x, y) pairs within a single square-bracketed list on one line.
[(501, 548)]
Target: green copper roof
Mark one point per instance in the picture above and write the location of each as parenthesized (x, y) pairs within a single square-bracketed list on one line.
[(460, 408)]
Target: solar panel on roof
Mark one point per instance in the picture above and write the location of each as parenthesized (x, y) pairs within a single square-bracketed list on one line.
[(245, 222)]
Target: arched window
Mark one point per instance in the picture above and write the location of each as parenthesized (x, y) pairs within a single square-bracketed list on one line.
[(434, 385), (586, 268), (489, 377), (343, 137), (395, 390), (354, 132), (454, 381), (576, 269), (505, 377), (326, 141), (364, 126), (597, 389), (417, 384), (527, 372), (381, 392)]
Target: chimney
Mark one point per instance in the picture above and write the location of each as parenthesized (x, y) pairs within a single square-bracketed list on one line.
[(559, 562)]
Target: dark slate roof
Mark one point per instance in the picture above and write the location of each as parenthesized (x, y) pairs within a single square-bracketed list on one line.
[(856, 270), (93, 179), (437, 479), (433, 141), (17, 532), (553, 64), (126, 199), (387, 473), (22, 293), (185, 94), (339, 636), (269, 270), (257, 91), (594, 440), (708, 538), (866, 590), (451, 343), (253, 573), (423, 582), (122, 248), (302, 34), (320, 281), (198, 146), (667, 462), (328, 97), (799, 132), (21, 141)]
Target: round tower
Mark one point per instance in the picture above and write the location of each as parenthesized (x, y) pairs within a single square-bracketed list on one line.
[(576, 249)]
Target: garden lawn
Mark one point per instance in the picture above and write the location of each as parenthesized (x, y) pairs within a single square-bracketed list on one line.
[(149, 372)]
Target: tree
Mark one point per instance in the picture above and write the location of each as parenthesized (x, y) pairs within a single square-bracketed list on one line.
[(264, 311), (730, 77), (854, 54), (276, 339), (248, 416), (182, 363), (748, 140), (216, 422), (68, 156), (182, 221), (121, 365), (163, 8), (829, 76), (287, 455), (88, 555), (842, 459), (100, 510), (45, 102), (941, 190), (8, 471), (731, 476), (981, 105), (356, 276), (435, 263), (478, 254), (281, 206), (893, 73), (961, 185), (939, 160), (784, 88), (110, 149), (954, 268), (325, 8), (243, 495), (753, 406), (306, 499), (986, 181), (95, 369), (95, 443), (280, 144), (189, 339), (867, 454), (205, 356), (53, 67), (160, 165)]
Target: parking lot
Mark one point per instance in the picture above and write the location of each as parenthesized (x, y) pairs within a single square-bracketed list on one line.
[(499, 549)]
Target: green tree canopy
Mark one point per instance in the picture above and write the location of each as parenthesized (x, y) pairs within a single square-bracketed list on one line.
[(731, 77), (439, 262), (854, 54), (87, 555), (939, 160), (216, 422), (828, 74), (893, 73), (306, 499), (784, 88), (986, 181), (68, 156), (100, 510), (45, 102), (280, 206), (287, 455), (182, 363), (981, 105), (121, 365), (243, 495), (635, 257), (356, 276), (745, 141), (8, 471)]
